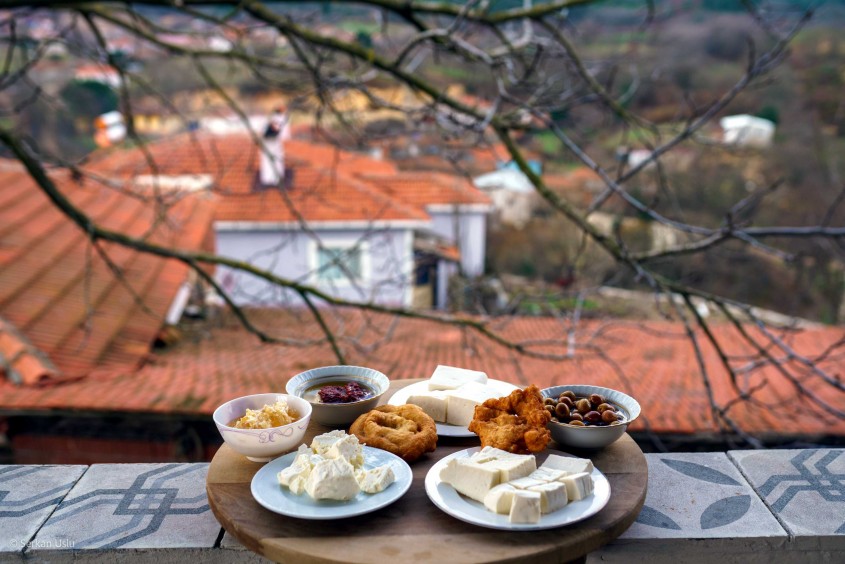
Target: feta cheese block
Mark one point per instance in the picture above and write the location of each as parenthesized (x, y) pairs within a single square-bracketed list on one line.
[(470, 478), (569, 464), (434, 404), (578, 486), (324, 442), (548, 474), (451, 378), (525, 483), (294, 476), (553, 496), (347, 448), (500, 499), (525, 507), (490, 453), (514, 466), (462, 402), (332, 478), (375, 479)]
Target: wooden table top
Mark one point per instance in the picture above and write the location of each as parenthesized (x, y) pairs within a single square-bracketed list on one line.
[(413, 529)]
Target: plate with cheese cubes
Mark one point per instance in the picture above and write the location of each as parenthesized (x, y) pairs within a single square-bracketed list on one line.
[(500, 490), (332, 478), (450, 396)]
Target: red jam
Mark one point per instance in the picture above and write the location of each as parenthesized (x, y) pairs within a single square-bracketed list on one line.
[(343, 394)]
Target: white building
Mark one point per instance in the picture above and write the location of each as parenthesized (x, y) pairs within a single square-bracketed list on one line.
[(747, 131), (352, 225)]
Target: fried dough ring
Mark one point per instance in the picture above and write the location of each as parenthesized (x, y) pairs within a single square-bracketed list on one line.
[(404, 430)]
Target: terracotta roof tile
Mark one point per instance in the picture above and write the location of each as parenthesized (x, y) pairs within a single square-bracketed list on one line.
[(328, 183), (654, 362), (62, 295)]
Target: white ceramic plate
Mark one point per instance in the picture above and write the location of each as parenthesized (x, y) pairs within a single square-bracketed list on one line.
[(450, 501), (444, 430), (269, 493)]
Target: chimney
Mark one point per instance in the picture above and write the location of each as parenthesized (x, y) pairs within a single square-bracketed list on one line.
[(272, 167)]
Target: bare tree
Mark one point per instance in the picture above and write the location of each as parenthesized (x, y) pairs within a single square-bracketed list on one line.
[(528, 65)]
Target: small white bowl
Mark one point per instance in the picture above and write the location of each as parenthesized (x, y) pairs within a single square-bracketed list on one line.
[(262, 445), (592, 437), (339, 414)]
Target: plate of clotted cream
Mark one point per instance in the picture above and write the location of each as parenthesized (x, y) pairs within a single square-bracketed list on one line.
[(497, 388), (447, 498), (269, 493)]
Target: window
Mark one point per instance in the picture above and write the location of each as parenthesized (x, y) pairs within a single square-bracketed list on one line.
[(338, 264)]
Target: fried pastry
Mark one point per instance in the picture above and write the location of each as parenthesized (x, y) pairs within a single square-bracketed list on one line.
[(515, 423), (404, 430)]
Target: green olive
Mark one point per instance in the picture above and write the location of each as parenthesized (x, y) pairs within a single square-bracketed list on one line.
[(575, 416), (577, 423), (569, 394)]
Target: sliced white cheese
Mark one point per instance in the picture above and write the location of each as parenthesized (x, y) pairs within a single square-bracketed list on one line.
[(514, 466), (324, 442), (462, 402), (569, 464), (553, 496), (548, 474), (348, 448), (375, 479), (491, 453), (525, 483), (578, 486), (433, 403), (470, 478), (332, 478), (451, 378), (525, 507), (500, 498)]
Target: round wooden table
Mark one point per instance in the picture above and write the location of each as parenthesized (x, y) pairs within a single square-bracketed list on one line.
[(412, 529)]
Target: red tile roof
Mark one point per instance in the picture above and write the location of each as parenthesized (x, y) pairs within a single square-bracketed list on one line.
[(329, 184), (653, 361), (427, 189), (58, 292)]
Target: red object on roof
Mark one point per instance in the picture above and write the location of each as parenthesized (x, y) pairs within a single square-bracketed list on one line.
[(64, 297)]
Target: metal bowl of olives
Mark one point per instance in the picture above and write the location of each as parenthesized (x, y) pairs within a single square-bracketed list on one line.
[(589, 417)]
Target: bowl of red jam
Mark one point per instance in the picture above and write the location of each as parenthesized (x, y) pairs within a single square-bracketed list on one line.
[(339, 394)]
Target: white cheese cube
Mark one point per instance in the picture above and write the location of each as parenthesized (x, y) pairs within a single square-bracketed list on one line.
[(332, 478), (553, 496), (525, 507), (491, 453), (470, 478), (462, 402), (514, 466), (324, 442), (348, 448), (451, 378), (433, 403), (578, 486), (548, 474), (525, 483), (569, 464), (375, 479), (500, 499)]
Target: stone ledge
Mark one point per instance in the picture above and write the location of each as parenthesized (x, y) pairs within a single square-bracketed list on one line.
[(743, 506)]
